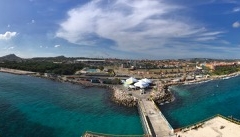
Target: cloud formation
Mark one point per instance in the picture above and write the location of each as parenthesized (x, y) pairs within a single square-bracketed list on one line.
[(236, 9), (134, 25), (236, 24), (56, 46), (10, 48), (7, 35)]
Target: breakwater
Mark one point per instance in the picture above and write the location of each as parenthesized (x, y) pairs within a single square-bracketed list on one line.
[(164, 96), (48, 109), (118, 93), (121, 97), (218, 96)]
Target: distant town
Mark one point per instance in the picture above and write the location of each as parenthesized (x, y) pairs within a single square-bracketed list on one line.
[(169, 70)]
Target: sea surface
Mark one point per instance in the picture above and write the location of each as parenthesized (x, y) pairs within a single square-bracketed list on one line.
[(197, 102), (36, 107)]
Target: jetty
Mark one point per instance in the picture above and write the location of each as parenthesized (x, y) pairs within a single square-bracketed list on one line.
[(154, 122)]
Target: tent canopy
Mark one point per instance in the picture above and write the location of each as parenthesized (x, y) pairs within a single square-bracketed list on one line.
[(147, 80), (131, 80), (141, 84), (131, 86)]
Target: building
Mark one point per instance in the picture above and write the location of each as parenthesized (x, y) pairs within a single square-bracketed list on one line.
[(215, 65)]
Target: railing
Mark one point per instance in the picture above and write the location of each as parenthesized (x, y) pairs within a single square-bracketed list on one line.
[(160, 113), (236, 121), (143, 119), (217, 115), (94, 134), (146, 126), (202, 121)]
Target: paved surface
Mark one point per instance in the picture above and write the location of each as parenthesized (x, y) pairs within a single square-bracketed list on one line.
[(160, 126), (216, 127)]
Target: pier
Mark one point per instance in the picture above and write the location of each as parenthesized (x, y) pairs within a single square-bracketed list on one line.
[(154, 123)]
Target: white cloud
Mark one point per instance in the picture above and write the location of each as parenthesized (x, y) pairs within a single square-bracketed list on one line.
[(33, 21), (10, 48), (7, 35), (236, 24), (237, 9), (133, 25), (56, 46)]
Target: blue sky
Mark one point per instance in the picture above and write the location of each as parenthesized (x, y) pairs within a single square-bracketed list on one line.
[(129, 29)]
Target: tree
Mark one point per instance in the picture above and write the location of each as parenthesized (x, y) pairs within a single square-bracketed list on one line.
[(101, 68)]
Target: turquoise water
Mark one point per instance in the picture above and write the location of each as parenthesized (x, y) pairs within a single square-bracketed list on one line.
[(92, 70), (200, 101), (31, 106)]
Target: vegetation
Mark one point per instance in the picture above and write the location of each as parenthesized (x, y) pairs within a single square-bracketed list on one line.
[(224, 70), (44, 67)]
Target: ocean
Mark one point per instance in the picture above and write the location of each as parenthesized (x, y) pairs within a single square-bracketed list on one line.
[(197, 102), (36, 107)]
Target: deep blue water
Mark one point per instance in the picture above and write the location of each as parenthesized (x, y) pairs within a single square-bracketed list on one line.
[(31, 106), (200, 101)]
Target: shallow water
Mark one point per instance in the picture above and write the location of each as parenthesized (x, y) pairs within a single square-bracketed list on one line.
[(31, 106), (200, 101)]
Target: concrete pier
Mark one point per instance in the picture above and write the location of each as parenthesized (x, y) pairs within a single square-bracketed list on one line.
[(157, 124)]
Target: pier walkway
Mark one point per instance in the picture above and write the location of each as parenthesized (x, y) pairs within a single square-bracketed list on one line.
[(153, 121), (156, 123)]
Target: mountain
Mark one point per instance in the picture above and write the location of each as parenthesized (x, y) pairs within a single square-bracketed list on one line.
[(11, 57)]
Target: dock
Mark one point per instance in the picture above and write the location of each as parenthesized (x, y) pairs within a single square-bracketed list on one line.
[(154, 122), (216, 126)]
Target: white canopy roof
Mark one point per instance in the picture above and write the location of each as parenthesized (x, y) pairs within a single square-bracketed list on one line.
[(131, 80), (141, 84), (147, 80), (131, 86)]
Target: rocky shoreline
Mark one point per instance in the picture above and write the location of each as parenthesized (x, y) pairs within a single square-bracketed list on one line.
[(163, 97), (122, 98), (118, 95)]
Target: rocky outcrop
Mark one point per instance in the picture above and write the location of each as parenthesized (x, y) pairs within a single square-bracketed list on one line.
[(163, 96), (123, 98)]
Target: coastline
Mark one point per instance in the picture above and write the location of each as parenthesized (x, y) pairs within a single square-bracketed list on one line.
[(109, 87), (16, 72), (120, 95), (216, 77), (117, 94)]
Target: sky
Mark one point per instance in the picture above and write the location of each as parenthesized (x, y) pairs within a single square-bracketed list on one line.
[(127, 29)]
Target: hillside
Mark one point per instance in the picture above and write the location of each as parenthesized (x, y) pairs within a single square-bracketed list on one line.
[(11, 57)]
